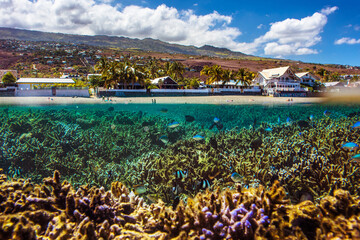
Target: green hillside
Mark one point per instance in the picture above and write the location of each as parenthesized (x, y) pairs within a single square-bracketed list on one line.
[(146, 44)]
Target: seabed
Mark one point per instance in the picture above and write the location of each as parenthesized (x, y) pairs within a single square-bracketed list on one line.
[(180, 171)]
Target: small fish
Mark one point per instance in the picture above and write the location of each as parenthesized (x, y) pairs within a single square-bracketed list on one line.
[(356, 125), (173, 125), (236, 177), (279, 120), (288, 121), (205, 184), (189, 118), (164, 139), (154, 198), (177, 189), (139, 189), (198, 137), (216, 120), (181, 174), (350, 146), (268, 129), (164, 110), (311, 117), (356, 158), (327, 113)]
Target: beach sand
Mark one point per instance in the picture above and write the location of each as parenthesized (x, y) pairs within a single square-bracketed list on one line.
[(231, 100)]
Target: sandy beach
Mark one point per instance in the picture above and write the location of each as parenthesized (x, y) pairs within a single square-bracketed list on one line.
[(232, 100)]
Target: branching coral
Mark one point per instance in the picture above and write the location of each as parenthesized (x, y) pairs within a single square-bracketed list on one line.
[(54, 210)]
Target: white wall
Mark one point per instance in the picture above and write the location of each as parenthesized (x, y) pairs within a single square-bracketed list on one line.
[(48, 93)]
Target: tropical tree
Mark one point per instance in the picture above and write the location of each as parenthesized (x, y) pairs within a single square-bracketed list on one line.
[(324, 74), (194, 82), (113, 74), (133, 74), (214, 73), (153, 69), (8, 78), (244, 76), (102, 66), (96, 81), (227, 76), (176, 70)]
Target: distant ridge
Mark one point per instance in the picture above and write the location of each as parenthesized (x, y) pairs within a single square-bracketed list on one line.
[(146, 44)]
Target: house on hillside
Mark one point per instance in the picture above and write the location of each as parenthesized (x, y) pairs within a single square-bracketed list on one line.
[(306, 78), (280, 81), (165, 82)]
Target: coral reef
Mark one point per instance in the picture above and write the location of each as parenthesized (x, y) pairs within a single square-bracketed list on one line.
[(55, 210), (96, 146)]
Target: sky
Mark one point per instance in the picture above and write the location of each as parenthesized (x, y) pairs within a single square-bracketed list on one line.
[(316, 31)]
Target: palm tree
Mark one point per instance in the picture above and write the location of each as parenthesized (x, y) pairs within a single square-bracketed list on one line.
[(244, 76), (176, 70), (109, 72), (227, 76), (214, 73), (102, 66), (152, 69), (112, 75), (134, 74)]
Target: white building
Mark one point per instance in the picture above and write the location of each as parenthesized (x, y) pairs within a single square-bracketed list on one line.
[(29, 83), (306, 78), (165, 82), (280, 81)]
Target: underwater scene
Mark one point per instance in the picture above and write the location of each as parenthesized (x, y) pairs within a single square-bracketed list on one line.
[(180, 171)]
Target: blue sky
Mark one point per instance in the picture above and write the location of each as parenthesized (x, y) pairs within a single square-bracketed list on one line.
[(310, 31)]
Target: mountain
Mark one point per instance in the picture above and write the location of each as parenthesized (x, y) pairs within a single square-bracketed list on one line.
[(146, 44)]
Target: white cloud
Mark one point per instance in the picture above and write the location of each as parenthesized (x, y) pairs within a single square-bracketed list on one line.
[(329, 10), (260, 26), (92, 18), (294, 36), (346, 40), (291, 36)]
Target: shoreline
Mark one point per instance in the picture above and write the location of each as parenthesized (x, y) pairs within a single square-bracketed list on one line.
[(331, 98), (229, 100)]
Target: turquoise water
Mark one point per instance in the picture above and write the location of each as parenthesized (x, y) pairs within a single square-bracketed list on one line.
[(136, 144)]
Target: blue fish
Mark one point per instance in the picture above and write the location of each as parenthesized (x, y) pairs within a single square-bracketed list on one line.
[(205, 184), (356, 125), (216, 120), (327, 113), (181, 174), (236, 177), (173, 125), (350, 146), (198, 137), (356, 158), (288, 120), (268, 129), (311, 117), (279, 120)]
